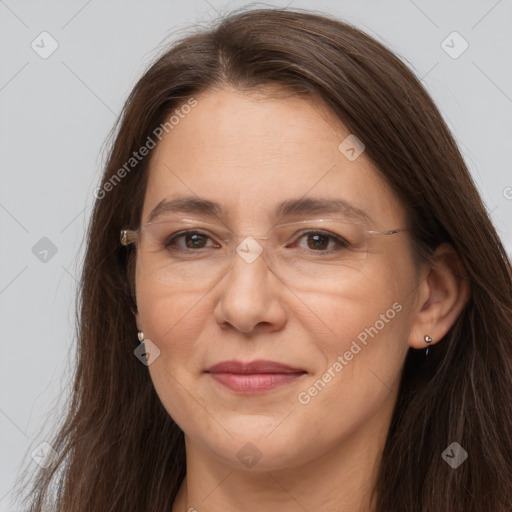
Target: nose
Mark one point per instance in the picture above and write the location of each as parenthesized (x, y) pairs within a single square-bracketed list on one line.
[(251, 297)]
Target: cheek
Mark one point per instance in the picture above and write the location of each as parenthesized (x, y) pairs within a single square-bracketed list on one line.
[(171, 318), (174, 323), (361, 309), (357, 335), (360, 371), (362, 336)]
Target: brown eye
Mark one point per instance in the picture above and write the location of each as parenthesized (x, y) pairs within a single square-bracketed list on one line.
[(317, 241), (188, 240), (195, 240)]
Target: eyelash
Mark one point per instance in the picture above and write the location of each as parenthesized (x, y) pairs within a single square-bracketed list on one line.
[(340, 242), (172, 239)]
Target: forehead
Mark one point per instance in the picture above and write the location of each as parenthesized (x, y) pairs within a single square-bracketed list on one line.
[(251, 152)]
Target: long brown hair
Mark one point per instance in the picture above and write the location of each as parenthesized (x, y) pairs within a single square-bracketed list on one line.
[(118, 448)]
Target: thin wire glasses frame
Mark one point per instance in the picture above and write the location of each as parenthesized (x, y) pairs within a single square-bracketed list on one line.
[(192, 255), (130, 236)]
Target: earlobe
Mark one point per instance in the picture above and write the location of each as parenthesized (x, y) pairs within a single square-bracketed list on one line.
[(443, 295)]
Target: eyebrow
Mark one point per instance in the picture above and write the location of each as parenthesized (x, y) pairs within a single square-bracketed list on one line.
[(284, 210), (185, 205), (317, 206)]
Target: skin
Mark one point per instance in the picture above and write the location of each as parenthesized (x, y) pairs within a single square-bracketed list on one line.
[(249, 152)]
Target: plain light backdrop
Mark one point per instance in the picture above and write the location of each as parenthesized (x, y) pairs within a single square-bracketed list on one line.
[(56, 110)]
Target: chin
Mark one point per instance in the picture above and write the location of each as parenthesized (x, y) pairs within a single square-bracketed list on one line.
[(254, 449)]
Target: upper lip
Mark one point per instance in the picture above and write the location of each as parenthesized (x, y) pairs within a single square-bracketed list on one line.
[(259, 366)]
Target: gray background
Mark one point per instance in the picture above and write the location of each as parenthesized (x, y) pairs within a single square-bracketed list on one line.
[(56, 112)]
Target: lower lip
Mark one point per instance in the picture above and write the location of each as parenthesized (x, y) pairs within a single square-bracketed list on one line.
[(255, 382)]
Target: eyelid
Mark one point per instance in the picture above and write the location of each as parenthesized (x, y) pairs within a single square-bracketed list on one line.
[(337, 240), (195, 225), (199, 231), (301, 231), (180, 235)]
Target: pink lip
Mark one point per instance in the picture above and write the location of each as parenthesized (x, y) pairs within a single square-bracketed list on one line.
[(255, 376)]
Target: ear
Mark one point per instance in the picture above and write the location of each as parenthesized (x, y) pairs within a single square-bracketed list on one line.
[(443, 293)]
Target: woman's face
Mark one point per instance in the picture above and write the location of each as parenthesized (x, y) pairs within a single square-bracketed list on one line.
[(340, 325)]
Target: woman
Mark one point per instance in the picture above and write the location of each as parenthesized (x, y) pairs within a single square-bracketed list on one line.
[(293, 297)]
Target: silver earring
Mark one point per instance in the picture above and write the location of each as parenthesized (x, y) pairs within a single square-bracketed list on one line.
[(140, 335), (427, 339)]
